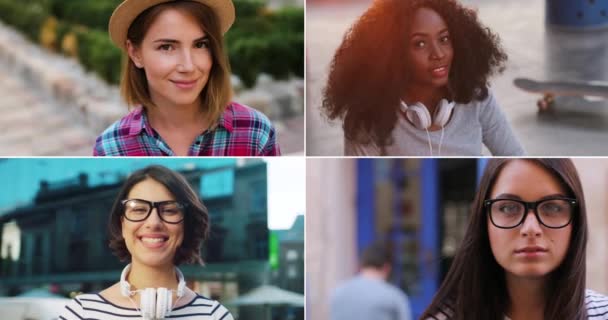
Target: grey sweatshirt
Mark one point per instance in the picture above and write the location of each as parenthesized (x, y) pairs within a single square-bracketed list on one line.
[(470, 125)]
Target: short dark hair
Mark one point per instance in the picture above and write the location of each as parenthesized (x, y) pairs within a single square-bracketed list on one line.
[(196, 220), (376, 255)]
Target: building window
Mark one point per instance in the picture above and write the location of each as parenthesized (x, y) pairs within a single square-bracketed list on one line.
[(217, 184), (292, 272), (291, 255)]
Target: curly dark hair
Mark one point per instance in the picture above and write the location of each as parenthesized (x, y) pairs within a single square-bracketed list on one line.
[(369, 71), (196, 217)]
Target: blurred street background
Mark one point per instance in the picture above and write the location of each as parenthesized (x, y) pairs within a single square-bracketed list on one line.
[(54, 241), (59, 72), (421, 207), (577, 126)]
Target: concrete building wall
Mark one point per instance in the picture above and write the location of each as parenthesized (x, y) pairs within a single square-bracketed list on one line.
[(594, 176), (330, 230)]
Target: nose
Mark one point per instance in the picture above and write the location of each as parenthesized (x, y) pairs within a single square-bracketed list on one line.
[(186, 63), (531, 226), (153, 219), (436, 51)]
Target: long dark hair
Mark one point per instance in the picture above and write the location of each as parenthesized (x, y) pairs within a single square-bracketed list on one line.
[(475, 288), (370, 71)]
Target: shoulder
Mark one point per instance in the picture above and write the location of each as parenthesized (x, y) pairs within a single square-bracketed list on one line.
[(75, 309), (109, 142), (596, 304), (201, 305), (483, 101), (244, 117), (247, 124)]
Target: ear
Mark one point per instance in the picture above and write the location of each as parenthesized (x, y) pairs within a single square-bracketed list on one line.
[(134, 54)]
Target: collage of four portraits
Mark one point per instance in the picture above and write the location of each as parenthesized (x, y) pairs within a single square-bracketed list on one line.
[(304, 159)]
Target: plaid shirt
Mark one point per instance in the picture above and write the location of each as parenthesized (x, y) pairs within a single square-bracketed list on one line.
[(241, 131)]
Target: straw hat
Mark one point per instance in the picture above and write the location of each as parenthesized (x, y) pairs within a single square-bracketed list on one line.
[(128, 11)]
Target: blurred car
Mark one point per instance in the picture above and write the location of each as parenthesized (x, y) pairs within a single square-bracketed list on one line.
[(26, 308)]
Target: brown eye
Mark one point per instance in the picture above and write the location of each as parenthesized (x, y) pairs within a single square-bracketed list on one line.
[(165, 47), (202, 44)]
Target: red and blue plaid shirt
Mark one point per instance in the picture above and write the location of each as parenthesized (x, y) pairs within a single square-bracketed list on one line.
[(240, 131)]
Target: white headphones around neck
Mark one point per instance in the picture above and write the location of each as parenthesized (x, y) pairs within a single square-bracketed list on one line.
[(155, 303), (421, 118), (419, 115)]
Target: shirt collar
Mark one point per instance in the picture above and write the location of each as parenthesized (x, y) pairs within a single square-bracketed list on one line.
[(139, 121)]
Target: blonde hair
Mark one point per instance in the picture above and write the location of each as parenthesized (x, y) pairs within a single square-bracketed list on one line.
[(216, 94)]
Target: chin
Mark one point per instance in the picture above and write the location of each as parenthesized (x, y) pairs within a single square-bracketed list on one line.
[(439, 83), (532, 271), (155, 260)]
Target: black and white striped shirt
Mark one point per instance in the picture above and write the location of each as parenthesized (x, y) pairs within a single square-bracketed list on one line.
[(94, 306), (596, 304)]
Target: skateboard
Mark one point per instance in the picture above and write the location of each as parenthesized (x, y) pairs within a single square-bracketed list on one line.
[(551, 89)]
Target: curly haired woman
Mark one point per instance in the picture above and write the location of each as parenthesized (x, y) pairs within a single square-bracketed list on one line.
[(411, 79)]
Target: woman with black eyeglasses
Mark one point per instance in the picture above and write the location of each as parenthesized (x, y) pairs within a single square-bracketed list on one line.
[(157, 222), (523, 255)]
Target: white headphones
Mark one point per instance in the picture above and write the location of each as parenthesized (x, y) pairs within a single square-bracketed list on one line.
[(155, 303), (420, 117)]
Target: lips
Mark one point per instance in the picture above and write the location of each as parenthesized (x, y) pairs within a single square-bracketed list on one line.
[(440, 71), (184, 84), (531, 249), (153, 241)]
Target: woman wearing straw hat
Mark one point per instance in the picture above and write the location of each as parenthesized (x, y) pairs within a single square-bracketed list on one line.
[(177, 76)]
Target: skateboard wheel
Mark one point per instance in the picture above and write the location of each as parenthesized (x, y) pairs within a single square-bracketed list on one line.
[(543, 105)]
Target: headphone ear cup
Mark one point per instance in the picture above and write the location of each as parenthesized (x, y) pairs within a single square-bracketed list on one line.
[(444, 110), (161, 302), (148, 303), (419, 115)]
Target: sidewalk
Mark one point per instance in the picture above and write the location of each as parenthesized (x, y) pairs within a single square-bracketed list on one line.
[(577, 127)]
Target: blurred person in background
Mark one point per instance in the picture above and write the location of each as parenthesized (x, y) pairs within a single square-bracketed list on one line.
[(411, 79), (369, 295), (177, 78), (524, 253), (157, 223)]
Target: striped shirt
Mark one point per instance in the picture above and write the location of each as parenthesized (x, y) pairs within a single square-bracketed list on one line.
[(240, 131), (93, 306), (596, 304)]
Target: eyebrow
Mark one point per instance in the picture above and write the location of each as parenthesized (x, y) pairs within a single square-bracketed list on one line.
[(516, 197), (205, 37), (426, 34)]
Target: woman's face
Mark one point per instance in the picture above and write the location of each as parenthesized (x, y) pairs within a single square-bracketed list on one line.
[(529, 250), (152, 242), (176, 57), (429, 48)]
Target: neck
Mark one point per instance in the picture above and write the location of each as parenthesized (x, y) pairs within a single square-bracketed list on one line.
[(527, 297), (142, 276), (176, 116), (429, 96), (373, 273)]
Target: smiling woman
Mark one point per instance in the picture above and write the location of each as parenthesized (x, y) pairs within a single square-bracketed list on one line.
[(411, 79), (177, 78), (157, 222)]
